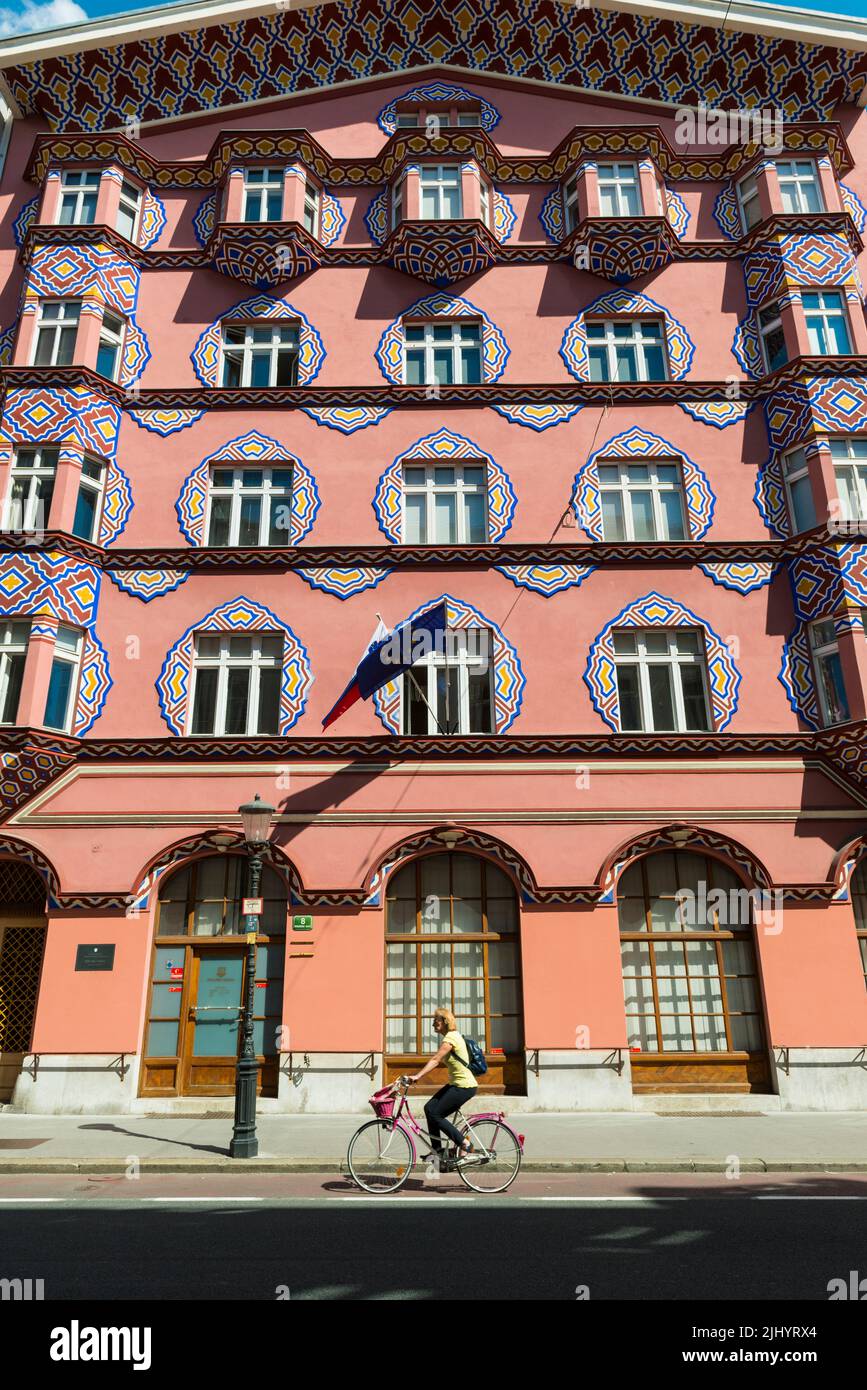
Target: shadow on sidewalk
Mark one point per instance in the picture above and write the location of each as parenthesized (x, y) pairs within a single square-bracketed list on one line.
[(181, 1143)]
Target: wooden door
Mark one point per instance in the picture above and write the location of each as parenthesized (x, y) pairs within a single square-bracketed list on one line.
[(209, 1049)]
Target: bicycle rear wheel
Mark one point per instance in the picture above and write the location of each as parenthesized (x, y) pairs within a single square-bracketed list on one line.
[(497, 1172), (380, 1156)]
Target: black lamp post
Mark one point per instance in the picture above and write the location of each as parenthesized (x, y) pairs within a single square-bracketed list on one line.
[(256, 818)]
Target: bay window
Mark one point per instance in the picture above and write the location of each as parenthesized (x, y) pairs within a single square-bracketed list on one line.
[(311, 208), (444, 504), (661, 680), (772, 337), (748, 201), (236, 683), (827, 324), (88, 504), (850, 470), (619, 191), (56, 332), (79, 189), (570, 204), (249, 506), (31, 487), (799, 186), (440, 192), (800, 494), (263, 195), (13, 654), (828, 671), (128, 209), (63, 682), (260, 354), (642, 501), (625, 350), (108, 353), (450, 690)]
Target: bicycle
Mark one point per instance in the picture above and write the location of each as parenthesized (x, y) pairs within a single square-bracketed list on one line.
[(382, 1152)]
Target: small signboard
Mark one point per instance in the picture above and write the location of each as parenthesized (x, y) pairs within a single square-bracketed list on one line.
[(251, 907), (302, 923), (99, 957), (176, 971)]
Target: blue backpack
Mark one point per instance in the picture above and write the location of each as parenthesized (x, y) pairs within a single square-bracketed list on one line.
[(477, 1064)]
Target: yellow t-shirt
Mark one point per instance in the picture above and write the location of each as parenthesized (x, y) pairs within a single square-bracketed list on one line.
[(456, 1062)]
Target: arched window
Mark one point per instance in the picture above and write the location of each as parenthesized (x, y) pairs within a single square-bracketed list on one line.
[(693, 1003), (452, 940), (22, 941), (198, 979), (859, 907)]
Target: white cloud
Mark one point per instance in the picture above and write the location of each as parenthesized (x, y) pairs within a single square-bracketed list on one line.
[(33, 16)]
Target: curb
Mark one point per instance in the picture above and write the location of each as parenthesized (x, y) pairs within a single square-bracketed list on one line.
[(120, 1166)]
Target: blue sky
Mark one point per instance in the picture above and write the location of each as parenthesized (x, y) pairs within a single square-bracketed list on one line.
[(27, 16)]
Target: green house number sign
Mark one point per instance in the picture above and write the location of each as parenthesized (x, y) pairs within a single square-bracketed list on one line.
[(302, 923)]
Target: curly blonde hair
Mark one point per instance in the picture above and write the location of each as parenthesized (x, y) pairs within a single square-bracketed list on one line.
[(451, 1021)]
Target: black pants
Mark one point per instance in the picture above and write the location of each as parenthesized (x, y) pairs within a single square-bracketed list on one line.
[(446, 1101)]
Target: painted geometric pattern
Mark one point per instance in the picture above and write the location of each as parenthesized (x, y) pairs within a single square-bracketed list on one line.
[(206, 353), (148, 584), (741, 575), (546, 579), (443, 444), (638, 444), (504, 217), (165, 422), (727, 214), (205, 218), (347, 418), (720, 414), (836, 404), (699, 838), (770, 497), (72, 415), (136, 353), (250, 448), (50, 585), (439, 253), (153, 220), (854, 574), (94, 683), (436, 94), (803, 260), (332, 219), (94, 271), (238, 615), (343, 580), (376, 219), (24, 221), (678, 214), (117, 504), (796, 678), (470, 840), (551, 216), (817, 587), (7, 345), (22, 774), (655, 610), (508, 674), (537, 417), (746, 347), (853, 205), (620, 303), (390, 352)]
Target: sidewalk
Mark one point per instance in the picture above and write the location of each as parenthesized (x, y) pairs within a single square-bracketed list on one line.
[(797, 1142)]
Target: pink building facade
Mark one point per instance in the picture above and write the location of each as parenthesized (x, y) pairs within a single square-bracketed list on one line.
[(365, 313)]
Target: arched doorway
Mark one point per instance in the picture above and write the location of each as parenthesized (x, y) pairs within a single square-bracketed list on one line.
[(859, 907), (690, 978), (452, 938), (22, 944), (198, 980)]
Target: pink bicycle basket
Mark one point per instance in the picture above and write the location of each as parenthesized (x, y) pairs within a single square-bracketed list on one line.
[(383, 1103)]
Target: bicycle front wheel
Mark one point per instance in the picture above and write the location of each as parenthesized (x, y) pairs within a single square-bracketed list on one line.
[(499, 1169), (380, 1156)]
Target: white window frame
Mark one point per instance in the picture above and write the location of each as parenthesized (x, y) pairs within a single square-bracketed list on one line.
[(749, 197), (796, 180), (823, 646), (249, 348), (224, 662), (569, 196), (67, 656), (460, 341), (76, 193), (459, 655), (14, 641), (56, 326), (635, 340), (766, 329), (847, 461), (273, 180), (441, 177), (673, 660), (21, 515), (612, 178), (92, 480), (430, 489), (131, 200), (795, 472), (265, 491), (312, 207), (823, 314), (655, 485), (112, 337)]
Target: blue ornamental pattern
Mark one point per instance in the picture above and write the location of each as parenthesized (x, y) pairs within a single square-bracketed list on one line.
[(655, 610), (7, 345), (720, 414), (853, 205), (24, 221), (620, 304), (117, 503), (205, 219), (801, 260), (509, 678), (376, 219), (551, 215), (743, 576), (727, 214), (436, 94), (238, 615), (770, 496), (390, 352), (347, 418), (746, 347), (72, 415), (639, 444), (344, 580), (796, 677), (441, 446), (332, 219), (678, 213), (148, 584), (311, 352), (504, 216), (165, 421), (250, 448), (537, 417), (546, 579), (153, 220)]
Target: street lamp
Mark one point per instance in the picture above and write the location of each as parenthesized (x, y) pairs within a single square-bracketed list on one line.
[(256, 819)]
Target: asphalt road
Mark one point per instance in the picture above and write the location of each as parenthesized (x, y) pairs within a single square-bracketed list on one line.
[(313, 1237)]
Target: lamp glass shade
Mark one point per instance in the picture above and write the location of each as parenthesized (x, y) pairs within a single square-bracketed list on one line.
[(256, 819)]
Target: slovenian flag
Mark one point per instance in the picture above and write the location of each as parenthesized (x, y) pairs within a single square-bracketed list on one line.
[(389, 655)]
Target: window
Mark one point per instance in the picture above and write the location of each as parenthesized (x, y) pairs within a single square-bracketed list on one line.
[(850, 470), (63, 682), (56, 332), (204, 899), (411, 120), (128, 209), (444, 504), (748, 201), (13, 653), (486, 200), (799, 186), (260, 355), (619, 192), (452, 941), (827, 327), (263, 195), (625, 350), (108, 354), (449, 691), (642, 501), (397, 202), (661, 680), (236, 683), (440, 192), (829, 672), (31, 488), (689, 967), (79, 189), (772, 336), (88, 504), (311, 208), (250, 506), (570, 203), (859, 907), (443, 354), (800, 493)]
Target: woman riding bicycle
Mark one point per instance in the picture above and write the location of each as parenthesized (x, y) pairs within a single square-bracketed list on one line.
[(461, 1086)]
